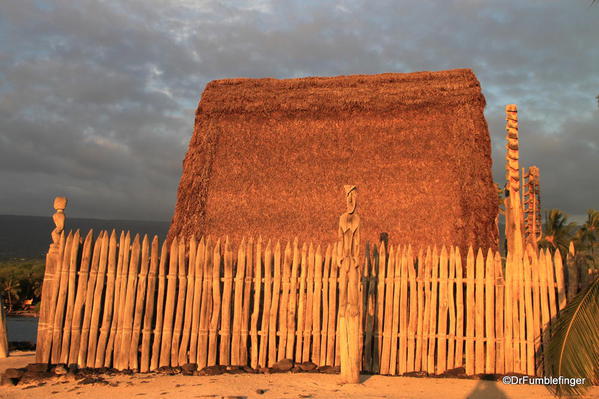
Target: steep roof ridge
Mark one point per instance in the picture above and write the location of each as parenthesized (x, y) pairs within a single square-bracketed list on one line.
[(342, 80), (380, 93)]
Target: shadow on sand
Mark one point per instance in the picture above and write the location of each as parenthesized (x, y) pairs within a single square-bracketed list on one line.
[(486, 390)]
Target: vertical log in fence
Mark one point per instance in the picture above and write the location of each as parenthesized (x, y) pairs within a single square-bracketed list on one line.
[(135, 304), (3, 335)]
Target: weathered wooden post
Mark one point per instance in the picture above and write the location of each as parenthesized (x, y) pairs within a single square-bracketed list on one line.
[(499, 191), (349, 291), (513, 207), (3, 336), (44, 334)]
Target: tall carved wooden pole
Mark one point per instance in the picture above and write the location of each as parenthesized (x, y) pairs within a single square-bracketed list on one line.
[(44, 334), (531, 200), (513, 206), (349, 292)]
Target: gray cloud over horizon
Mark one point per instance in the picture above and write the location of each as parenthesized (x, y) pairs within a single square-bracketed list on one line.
[(97, 98)]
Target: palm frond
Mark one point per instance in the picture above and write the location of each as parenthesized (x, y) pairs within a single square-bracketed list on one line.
[(573, 349)]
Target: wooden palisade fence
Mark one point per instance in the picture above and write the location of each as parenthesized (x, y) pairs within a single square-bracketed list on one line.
[(131, 303)]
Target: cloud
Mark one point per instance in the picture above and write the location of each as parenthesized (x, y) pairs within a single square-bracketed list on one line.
[(97, 98)]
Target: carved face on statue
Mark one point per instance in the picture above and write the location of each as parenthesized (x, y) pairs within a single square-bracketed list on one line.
[(350, 193)]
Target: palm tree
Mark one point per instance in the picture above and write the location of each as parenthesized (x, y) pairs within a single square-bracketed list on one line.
[(557, 232), (11, 289), (37, 289), (573, 349), (588, 235)]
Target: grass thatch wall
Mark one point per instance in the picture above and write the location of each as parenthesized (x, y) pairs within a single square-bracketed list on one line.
[(270, 157)]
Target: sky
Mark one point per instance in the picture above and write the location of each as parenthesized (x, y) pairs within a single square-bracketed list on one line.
[(97, 98)]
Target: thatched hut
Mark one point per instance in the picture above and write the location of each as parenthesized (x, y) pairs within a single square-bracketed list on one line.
[(270, 157)]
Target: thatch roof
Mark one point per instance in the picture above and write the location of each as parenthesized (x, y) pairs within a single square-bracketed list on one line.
[(270, 157)]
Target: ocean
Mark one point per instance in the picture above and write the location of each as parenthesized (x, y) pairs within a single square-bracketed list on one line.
[(21, 329), (29, 236)]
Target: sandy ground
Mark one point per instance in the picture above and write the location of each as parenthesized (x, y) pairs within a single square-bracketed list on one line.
[(268, 386)]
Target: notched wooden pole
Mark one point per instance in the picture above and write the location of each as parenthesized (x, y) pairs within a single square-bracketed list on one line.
[(513, 204)]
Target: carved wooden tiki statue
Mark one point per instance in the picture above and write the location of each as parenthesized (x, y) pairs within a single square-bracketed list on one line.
[(349, 279)]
